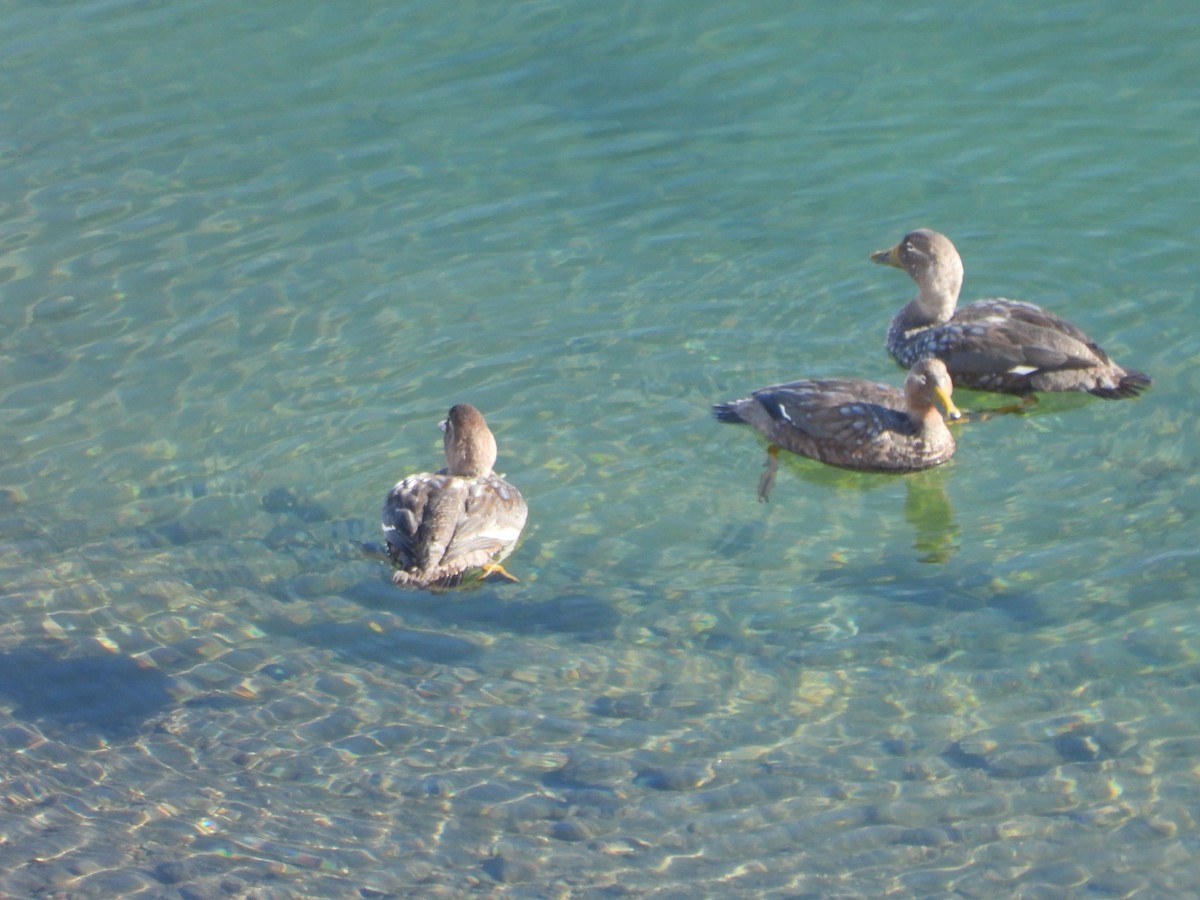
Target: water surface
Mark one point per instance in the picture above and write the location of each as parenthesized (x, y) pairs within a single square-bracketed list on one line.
[(250, 256)]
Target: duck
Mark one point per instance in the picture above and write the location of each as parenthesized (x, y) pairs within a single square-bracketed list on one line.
[(852, 423), (1001, 345), (458, 524)]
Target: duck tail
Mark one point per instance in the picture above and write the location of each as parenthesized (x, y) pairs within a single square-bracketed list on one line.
[(727, 412), (1130, 384)]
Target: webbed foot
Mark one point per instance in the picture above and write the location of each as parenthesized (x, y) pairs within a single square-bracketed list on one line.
[(982, 415), (767, 480), (496, 568)]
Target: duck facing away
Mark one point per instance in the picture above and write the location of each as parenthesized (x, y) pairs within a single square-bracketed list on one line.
[(460, 522), (851, 423), (995, 344)]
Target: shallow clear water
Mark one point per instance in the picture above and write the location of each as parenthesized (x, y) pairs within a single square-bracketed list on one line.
[(248, 258)]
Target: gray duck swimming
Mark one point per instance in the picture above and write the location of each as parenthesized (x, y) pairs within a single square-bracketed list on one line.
[(459, 523), (995, 344), (852, 423)]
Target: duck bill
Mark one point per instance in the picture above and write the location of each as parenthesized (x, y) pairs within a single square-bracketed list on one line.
[(888, 257), (952, 411)]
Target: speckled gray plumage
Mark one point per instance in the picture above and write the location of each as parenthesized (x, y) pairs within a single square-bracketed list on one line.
[(995, 344), (445, 526), (854, 424)]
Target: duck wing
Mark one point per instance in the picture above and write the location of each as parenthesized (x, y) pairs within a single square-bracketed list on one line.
[(835, 421), (491, 519), (1014, 339), (419, 518)]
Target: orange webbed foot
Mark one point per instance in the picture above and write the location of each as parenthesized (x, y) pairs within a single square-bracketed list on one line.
[(982, 415), (496, 568)]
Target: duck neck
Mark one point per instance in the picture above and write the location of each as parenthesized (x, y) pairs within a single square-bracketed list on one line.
[(937, 293), (928, 424), (935, 301)]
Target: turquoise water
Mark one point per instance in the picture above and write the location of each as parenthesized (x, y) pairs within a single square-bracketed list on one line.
[(251, 253)]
